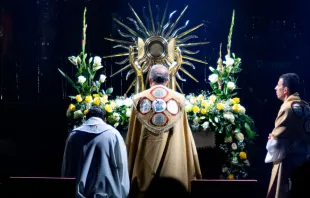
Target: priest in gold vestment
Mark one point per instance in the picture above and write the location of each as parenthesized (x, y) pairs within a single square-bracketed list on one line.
[(159, 140), (289, 143)]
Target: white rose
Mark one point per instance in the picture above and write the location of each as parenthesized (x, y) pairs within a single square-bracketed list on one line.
[(128, 102), (234, 146), (241, 109), (224, 169), (97, 61), (118, 103), (211, 69), (213, 78), (116, 116), (231, 85), (81, 80), (193, 100), (229, 116), (128, 112), (102, 78), (205, 125), (239, 137), (229, 61), (228, 139)]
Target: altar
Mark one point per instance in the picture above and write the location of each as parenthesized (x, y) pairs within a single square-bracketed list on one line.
[(221, 128)]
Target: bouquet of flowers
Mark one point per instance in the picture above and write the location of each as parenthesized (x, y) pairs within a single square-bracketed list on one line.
[(222, 112), (88, 88)]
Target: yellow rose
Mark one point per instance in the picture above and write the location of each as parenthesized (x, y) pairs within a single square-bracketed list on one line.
[(212, 98), (88, 99), (71, 107), (231, 176), (242, 155), (200, 97), (203, 111), (220, 106), (195, 109), (85, 111), (204, 103), (79, 98), (235, 100), (108, 108), (97, 101), (235, 108), (96, 95)]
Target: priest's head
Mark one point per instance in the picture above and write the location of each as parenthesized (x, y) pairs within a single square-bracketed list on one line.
[(288, 84), (95, 111), (159, 75)]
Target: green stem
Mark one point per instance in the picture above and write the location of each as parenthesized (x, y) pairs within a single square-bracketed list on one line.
[(84, 33), (230, 32)]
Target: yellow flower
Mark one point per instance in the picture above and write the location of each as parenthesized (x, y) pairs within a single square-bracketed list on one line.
[(203, 111), (242, 155), (108, 108), (235, 100), (235, 108), (231, 176), (88, 99), (204, 103), (200, 97), (212, 98), (104, 99), (195, 109), (96, 95), (97, 101), (79, 98), (220, 106), (71, 107), (85, 111)]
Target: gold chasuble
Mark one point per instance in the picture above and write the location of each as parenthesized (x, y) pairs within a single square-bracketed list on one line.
[(159, 140), (292, 131)]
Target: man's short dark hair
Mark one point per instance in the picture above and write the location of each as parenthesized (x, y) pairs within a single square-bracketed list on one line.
[(95, 111), (159, 74), (291, 81)]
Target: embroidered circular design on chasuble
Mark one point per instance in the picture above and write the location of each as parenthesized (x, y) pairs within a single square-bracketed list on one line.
[(159, 92), (159, 119), (159, 105), (307, 126), (172, 107), (145, 106), (297, 109)]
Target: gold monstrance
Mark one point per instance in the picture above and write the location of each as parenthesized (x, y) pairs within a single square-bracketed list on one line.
[(160, 44)]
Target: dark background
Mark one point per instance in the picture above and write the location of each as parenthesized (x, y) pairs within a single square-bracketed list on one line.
[(271, 37)]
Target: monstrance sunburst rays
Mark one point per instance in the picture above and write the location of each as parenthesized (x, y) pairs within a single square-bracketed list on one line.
[(156, 43)]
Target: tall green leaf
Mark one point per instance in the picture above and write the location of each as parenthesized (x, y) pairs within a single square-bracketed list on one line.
[(70, 81), (249, 131)]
